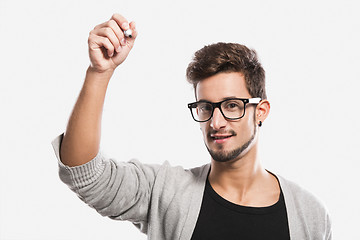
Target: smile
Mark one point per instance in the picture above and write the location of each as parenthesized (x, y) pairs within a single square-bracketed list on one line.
[(220, 138)]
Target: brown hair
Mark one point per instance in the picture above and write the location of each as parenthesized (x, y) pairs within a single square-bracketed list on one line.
[(228, 57)]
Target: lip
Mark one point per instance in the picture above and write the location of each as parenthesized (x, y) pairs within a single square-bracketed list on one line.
[(220, 138)]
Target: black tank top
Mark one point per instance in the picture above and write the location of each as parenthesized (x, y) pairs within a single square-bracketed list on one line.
[(220, 219)]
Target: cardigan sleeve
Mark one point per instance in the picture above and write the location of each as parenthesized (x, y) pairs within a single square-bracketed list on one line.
[(119, 190)]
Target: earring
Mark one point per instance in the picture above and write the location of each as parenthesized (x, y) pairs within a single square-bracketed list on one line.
[(260, 124)]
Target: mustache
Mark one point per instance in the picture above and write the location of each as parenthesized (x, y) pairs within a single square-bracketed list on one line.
[(229, 132)]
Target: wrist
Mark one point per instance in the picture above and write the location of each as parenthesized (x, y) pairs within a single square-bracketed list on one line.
[(100, 73), (98, 77)]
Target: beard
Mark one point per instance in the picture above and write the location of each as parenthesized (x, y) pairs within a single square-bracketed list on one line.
[(226, 156)]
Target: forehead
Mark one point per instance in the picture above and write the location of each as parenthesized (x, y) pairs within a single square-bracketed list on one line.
[(221, 86)]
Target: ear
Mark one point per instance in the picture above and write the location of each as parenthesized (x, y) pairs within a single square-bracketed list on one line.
[(262, 111)]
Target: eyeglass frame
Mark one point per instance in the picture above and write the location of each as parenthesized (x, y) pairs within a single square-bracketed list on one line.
[(256, 100)]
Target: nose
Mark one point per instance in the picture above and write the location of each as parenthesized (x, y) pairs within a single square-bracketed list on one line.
[(217, 121)]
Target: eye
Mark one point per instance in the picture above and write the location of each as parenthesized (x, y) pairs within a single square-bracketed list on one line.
[(230, 105), (204, 107), (233, 105)]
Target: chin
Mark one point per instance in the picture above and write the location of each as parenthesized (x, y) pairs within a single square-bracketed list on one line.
[(225, 156), (222, 155)]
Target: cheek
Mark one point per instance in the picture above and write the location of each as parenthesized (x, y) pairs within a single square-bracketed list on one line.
[(244, 127), (204, 129), (250, 119)]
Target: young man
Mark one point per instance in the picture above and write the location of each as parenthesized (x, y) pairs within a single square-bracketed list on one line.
[(234, 197)]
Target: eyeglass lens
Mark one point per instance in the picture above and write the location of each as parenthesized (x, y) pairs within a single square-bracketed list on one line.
[(230, 108)]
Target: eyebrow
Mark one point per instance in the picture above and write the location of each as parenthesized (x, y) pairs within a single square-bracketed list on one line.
[(225, 98)]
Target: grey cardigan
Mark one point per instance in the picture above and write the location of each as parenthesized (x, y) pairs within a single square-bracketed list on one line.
[(164, 201)]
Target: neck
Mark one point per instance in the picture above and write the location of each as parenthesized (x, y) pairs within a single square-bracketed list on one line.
[(244, 181), (240, 173)]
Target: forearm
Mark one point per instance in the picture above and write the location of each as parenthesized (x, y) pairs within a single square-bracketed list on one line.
[(108, 48), (81, 141)]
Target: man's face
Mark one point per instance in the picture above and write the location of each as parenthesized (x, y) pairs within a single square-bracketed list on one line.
[(227, 140)]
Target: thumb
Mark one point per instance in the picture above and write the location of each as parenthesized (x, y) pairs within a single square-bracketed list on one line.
[(131, 33)]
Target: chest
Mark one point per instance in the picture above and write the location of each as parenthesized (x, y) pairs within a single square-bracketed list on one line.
[(221, 219)]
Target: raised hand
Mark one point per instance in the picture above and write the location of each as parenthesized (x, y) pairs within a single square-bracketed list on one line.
[(108, 47)]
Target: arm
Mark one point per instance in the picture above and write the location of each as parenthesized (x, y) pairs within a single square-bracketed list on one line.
[(108, 48), (119, 190)]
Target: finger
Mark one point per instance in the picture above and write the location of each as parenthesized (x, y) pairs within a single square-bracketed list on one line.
[(130, 40), (114, 26), (97, 42), (109, 33), (104, 24), (134, 31), (117, 30), (121, 21)]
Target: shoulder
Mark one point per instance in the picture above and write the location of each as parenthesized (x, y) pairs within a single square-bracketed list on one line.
[(167, 176), (178, 173), (300, 195), (305, 210)]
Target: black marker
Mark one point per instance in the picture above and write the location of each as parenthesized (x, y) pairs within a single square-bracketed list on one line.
[(128, 33)]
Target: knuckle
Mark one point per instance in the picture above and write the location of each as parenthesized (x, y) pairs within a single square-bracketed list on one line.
[(97, 26), (106, 24), (115, 16), (92, 36), (91, 39), (108, 31), (113, 24)]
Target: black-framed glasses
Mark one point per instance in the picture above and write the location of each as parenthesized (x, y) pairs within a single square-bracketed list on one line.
[(230, 108)]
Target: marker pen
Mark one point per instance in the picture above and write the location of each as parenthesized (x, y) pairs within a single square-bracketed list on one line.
[(128, 33)]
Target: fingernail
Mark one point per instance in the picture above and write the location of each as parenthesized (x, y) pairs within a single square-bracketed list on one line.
[(123, 41), (118, 49), (125, 25)]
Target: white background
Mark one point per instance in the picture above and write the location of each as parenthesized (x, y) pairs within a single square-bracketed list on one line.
[(309, 49)]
